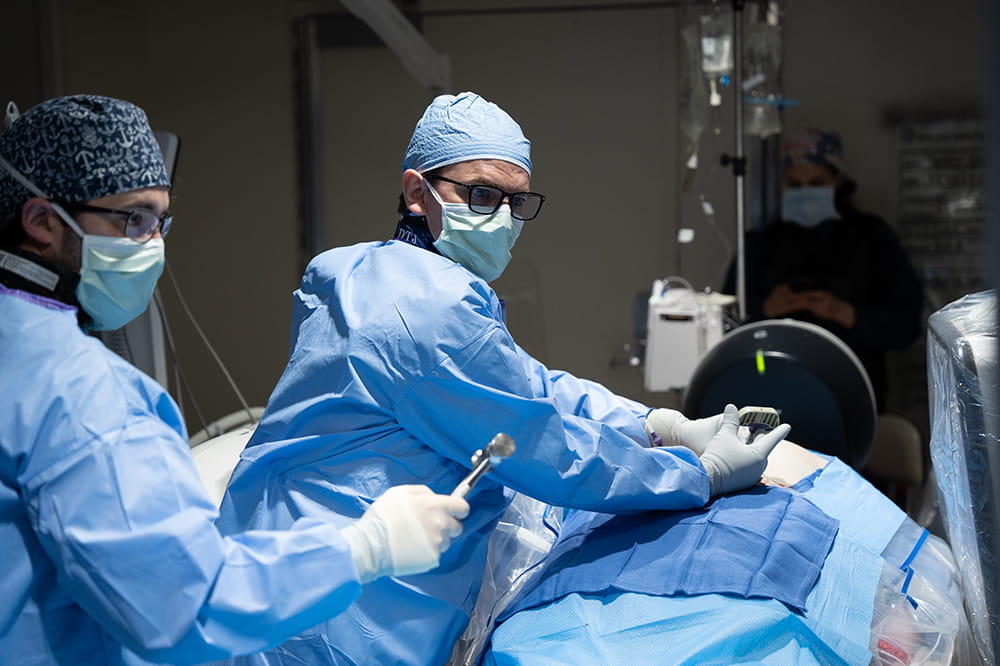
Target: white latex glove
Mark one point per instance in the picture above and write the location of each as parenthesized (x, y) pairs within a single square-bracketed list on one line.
[(404, 532), (673, 429), (730, 462)]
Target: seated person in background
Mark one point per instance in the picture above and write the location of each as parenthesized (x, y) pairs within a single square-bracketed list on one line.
[(402, 366), (109, 542), (828, 263)]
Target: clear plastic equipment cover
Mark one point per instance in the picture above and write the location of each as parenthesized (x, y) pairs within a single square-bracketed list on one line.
[(962, 378)]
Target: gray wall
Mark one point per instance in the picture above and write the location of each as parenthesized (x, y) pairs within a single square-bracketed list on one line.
[(596, 91), (867, 64)]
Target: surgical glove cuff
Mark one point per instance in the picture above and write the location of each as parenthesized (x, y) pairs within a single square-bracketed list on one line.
[(408, 544), (367, 538), (714, 475), (674, 429), (404, 532), (664, 424)]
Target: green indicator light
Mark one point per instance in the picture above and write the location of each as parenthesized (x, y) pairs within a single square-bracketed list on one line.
[(760, 361)]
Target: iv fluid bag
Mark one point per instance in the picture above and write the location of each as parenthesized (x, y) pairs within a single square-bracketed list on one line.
[(716, 43), (762, 79), (693, 96)]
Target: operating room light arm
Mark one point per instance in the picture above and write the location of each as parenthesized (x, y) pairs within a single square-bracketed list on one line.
[(426, 65)]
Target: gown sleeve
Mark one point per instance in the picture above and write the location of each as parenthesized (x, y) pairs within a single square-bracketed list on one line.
[(114, 498), (577, 445), (585, 398)]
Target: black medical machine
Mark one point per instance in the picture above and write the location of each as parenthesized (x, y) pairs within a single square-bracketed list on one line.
[(814, 381)]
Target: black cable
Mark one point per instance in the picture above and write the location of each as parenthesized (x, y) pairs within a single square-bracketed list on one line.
[(208, 345), (180, 378)]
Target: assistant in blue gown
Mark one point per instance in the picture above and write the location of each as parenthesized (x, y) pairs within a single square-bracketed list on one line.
[(109, 551), (107, 530)]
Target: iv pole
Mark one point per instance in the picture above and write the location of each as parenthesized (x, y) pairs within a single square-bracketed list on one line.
[(739, 161)]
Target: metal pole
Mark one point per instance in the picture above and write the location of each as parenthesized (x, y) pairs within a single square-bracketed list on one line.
[(312, 210), (50, 16), (739, 164)]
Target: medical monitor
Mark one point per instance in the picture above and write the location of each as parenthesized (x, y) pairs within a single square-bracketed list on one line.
[(810, 376)]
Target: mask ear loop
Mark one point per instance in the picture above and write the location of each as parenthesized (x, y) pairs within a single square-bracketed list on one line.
[(433, 192), (27, 184)]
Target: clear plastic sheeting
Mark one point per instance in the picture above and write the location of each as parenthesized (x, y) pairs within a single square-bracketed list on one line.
[(521, 540), (962, 380), (918, 616)]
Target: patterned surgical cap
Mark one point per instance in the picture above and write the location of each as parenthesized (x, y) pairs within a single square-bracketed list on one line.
[(813, 146), (458, 128), (79, 148)]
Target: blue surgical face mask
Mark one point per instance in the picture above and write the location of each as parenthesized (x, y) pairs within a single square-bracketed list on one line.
[(117, 275), (808, 206), (481, 243)]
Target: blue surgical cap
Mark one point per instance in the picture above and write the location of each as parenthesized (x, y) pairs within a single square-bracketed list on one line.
[(458, 128), (79, 148)]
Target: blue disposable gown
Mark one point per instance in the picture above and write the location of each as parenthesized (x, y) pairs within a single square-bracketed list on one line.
[(107, 534), (401, 367)]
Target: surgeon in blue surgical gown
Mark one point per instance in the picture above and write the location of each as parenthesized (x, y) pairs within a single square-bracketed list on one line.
[(401, 367), (109, 551)]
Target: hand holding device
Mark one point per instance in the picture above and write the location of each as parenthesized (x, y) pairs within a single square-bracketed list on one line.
[(404, 532), (733, 464)]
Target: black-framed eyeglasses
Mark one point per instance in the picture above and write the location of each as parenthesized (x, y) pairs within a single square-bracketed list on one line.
[(140, 225), (486, 199)]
